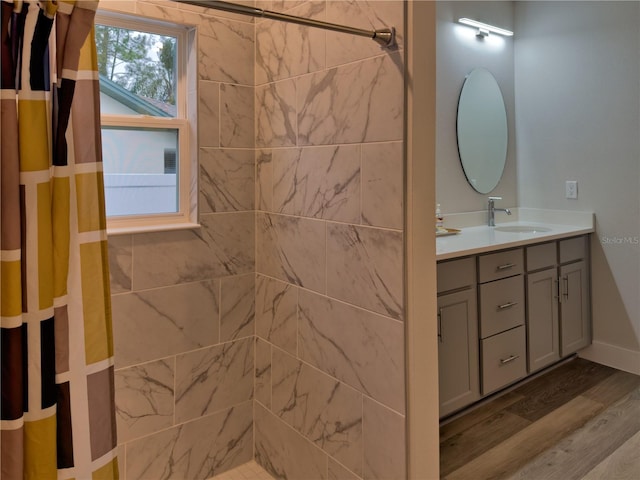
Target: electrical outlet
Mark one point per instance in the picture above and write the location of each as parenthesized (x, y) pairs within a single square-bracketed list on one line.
[(571, 189)]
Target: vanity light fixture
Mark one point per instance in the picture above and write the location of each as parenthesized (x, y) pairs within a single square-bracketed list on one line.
[(485, 28)]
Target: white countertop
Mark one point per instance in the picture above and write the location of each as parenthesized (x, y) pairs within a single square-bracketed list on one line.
[(481, 239)]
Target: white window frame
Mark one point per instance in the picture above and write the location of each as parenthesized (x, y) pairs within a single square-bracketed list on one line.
[(184, 123)]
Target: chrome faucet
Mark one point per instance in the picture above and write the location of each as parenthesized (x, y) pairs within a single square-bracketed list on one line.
[(492, 210)]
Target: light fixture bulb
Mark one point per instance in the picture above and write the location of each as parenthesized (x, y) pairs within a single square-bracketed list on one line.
[(485, 28)]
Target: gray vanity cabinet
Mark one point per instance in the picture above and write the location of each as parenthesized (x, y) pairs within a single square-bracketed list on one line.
[(542, 324), (558, 316), (575, 324), (502, 318), (508, 313), (457, 335), (543, 328)]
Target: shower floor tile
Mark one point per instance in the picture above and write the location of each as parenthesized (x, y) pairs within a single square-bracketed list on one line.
[(248, 471)]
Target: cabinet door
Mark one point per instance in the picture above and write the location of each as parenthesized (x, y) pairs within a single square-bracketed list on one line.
[(575, 314), (542, 319), (458, 350)]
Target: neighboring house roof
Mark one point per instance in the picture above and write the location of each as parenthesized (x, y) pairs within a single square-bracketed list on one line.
[(165, 107), (135, 102)]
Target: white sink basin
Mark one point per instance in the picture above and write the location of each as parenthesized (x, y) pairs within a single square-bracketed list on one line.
[(522, 229)]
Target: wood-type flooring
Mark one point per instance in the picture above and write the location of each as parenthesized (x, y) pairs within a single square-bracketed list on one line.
[(578, 421)]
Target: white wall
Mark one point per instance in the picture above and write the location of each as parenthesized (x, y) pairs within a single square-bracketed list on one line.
[(458, 52), (577, 77), (136, 151), (140, 194)]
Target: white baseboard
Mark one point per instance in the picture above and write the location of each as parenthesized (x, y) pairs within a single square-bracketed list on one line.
[(613, 356)]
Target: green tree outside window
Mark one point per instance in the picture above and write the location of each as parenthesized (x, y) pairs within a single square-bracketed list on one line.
[(143, 63)]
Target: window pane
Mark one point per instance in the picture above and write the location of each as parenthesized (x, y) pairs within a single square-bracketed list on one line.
[(140, 172), (137, 72)]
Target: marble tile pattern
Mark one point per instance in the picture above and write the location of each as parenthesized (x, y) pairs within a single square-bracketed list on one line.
[(120, 260), (330, 245), (262, 382), (282, 5), (359, 102), (382, 185), (283, 452), (205, 12), (277, 313), (324, 410), (183, 301), (236, 116), (214, 378), (237, 309), (153, 324), (227, 178), (224, 50), (360, 184), (384, 449), (336, 471), (292, 249), (276, 114), (194, 450), (306, 127), (264, 180), (209, 114), (285, 50), (144, 398), (366, 14), (318, 182), (248, 471), (365, 267), (222, 246), (360, 348)]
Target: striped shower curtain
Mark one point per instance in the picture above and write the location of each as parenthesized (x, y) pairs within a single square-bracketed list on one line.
[(57, 407)]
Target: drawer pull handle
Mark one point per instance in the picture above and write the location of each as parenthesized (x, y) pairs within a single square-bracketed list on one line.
[(505, 266), (507, 305), (504, 361)]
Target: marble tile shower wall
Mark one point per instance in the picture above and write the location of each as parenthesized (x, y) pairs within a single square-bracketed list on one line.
[(329, 353), (183, 301)]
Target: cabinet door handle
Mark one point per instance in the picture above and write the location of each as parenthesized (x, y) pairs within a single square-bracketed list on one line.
[(556, 289), (440, 325), (565, 280), (507, 305), (509, 359), (505, 266)]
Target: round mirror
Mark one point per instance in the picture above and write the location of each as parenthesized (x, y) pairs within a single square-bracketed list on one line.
[(482, 130)]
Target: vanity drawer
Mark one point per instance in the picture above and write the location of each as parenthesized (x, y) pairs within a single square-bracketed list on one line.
[(500, 265), (456, 274), (573, 249), (541, 256), (501, 305), (503, 359)]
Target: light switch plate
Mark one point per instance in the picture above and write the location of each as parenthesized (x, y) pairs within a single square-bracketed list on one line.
[(571, 189)]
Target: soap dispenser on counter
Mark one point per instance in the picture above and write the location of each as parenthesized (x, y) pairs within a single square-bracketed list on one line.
[(439, 220)]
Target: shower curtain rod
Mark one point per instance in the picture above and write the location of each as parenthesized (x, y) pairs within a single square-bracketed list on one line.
[(386, 37)]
